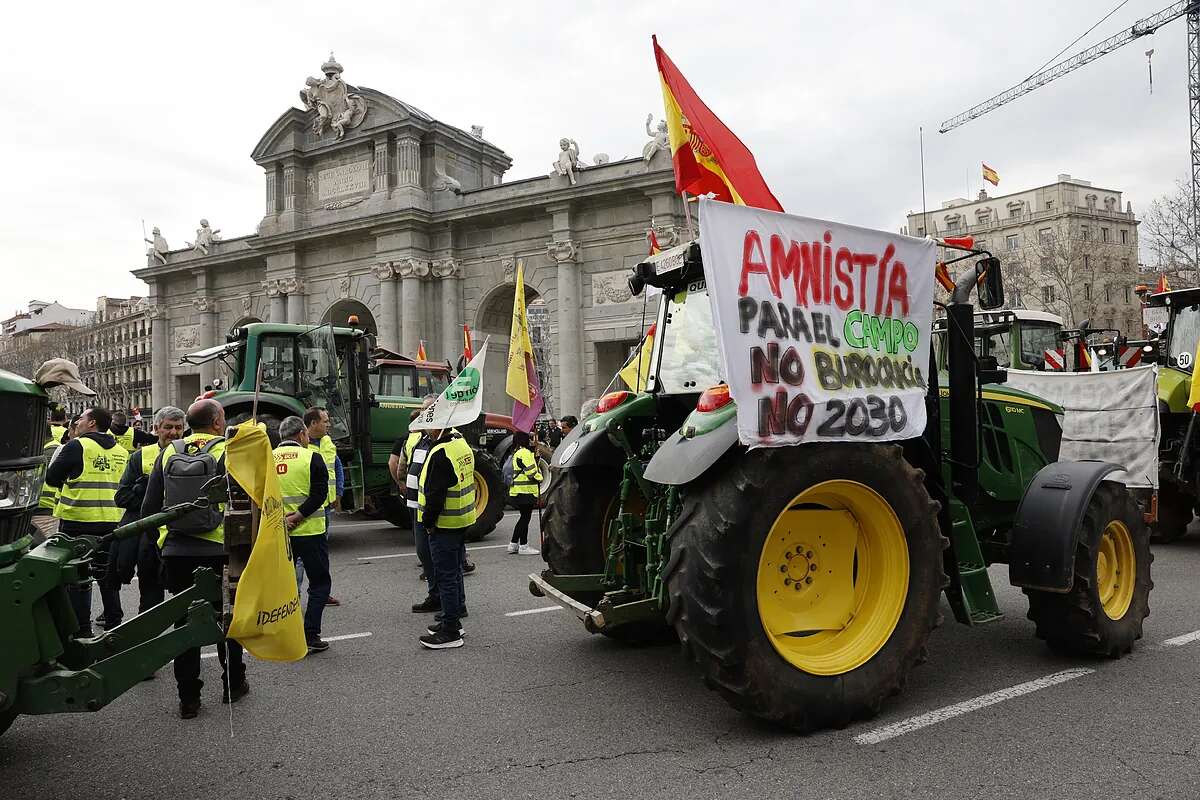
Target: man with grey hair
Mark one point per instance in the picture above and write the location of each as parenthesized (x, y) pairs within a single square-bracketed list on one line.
[(141, 553), (304, 484)]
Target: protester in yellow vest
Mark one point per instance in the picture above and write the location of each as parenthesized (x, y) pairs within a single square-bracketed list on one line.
[(142, 553), (127, 436), (523, 494), (316, 422), (86, 472), (446, 507), (184, 552), (43, 516), (304, 483)]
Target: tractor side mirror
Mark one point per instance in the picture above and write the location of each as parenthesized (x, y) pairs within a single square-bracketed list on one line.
[(991, 287), (641, 274)]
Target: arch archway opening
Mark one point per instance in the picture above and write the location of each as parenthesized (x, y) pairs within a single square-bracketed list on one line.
[(340, 312)]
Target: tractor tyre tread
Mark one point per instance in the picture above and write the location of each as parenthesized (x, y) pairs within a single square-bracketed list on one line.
[(489, 517)]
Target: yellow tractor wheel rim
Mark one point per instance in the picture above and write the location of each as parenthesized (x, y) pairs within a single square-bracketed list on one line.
[(833, 577), (481, 494), (1116, 569)]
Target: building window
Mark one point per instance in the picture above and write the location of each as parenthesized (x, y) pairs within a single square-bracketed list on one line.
[(1014, 212), (1124, 237), (1087, 263), (1010, 242), (1104, 237), (1047, 295), (1049, 204), (920, 231), (1108, 296), (981, 244), (1087, 291), (1045, 235), (1085, 232), (953, 226)]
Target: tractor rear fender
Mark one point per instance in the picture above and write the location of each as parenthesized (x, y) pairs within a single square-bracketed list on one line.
[(691, 450), (1041, 552)]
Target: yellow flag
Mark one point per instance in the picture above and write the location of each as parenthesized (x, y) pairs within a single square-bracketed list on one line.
[(517, 382), (637, 372), (1194, 394), (266, 612)]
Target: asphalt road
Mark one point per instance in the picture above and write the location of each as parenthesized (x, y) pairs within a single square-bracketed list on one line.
[(533, 706)]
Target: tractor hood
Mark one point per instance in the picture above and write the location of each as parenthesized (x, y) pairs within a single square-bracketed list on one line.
[(1174, 385)]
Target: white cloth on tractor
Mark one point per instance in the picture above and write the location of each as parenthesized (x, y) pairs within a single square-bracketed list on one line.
[(1109, 416)]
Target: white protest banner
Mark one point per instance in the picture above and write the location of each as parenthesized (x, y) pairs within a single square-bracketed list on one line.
[(460, 403), (824, 328)]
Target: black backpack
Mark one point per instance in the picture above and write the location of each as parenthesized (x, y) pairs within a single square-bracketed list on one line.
[(184, 475)]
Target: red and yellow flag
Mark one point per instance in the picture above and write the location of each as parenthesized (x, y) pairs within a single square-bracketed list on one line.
[(421, 352), (708, 157), (468, 352), (655, 247), (990, 175), (1162, 286)]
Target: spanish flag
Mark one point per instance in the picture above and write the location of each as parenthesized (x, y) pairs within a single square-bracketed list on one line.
[(990, 175), (468, 354), (421, 356), (655, 248), (1162, 286), (636, 372), (708, 157)]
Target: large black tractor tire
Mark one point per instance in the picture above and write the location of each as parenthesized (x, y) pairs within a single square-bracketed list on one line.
[(270, 420), (490, 497), (713, 578), (1102, 613), (1175, 513)]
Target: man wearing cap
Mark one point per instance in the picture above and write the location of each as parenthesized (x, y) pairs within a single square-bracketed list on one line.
[(87, 471)]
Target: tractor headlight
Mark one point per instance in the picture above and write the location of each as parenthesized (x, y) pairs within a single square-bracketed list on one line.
[(21, 488)]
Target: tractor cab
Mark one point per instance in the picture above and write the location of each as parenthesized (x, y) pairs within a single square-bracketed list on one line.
[(1016, 338)]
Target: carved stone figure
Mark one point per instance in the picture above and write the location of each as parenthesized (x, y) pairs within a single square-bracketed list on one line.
[(272, 288), (413, 268), (568, 159), (659, 140), (334, 107), (247, 304), (204, 304), (477, 131), (600, 158), (443, 182), (383, 271), (206, 237), (344, 287), (447, 268), (562, 252), (158, 248), (509, 265), (666, 235), (291, 286)]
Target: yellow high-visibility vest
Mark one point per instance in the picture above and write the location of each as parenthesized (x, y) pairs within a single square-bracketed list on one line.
[(149, 459), (328, 451), (217, 534), (293, 467), (527, 478), (126, 440), (92, 497), (459, 511), (410, 444), (49, 496)]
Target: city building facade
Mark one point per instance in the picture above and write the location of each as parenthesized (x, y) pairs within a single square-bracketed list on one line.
[(373, 208), (1069, 248)]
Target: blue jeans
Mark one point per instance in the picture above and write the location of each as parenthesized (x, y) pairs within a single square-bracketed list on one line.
[(313, 553), (446, 551), (421, 540)]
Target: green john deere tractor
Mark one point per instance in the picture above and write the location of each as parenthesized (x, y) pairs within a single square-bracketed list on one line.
[(1179, 450), (369, 401), (44, 668), (805, 581)]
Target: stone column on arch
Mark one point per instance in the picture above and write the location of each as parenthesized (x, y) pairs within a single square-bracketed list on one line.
[(449, 272), (160, 356), (207, 307), (278, 301), (297, 314), (565, 254), (389, 327), (412, 321), (408, 161)]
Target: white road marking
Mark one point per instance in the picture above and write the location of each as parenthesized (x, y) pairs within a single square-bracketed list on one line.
[(343, 637), (408, 555), (1186, 638), (949, 712), (533, 611)]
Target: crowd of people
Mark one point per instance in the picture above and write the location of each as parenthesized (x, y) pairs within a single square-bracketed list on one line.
[(102, 473)]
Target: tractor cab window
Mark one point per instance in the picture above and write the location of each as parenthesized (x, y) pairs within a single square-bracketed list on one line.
[(430, 382), (1036, 339), (996, 341), (277, 359), (689, 360), (1184, 332)]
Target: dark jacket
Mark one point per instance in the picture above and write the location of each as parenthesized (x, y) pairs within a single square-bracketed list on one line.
[(69, 465), (153, 503), (436, 478)]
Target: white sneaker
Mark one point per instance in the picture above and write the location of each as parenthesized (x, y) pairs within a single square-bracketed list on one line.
[(512, 548), (526, 550)]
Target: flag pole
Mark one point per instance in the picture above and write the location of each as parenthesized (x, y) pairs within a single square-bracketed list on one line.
[(687, 215)]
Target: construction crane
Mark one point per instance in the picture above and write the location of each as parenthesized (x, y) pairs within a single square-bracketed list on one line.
[(1143, 27)]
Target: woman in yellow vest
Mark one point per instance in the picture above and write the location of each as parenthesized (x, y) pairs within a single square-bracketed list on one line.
[(446, 507), (304, 483), (523, 494)]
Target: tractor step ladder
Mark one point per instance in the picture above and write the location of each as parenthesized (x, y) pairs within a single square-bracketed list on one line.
[(978, 599)]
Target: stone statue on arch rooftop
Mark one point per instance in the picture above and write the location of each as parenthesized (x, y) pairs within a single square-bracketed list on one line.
[(334, 107)]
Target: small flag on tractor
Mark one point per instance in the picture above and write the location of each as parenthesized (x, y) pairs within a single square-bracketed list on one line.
[(467, 350), (1162, 286), (990, 175), (1054, 360), (421, 352), (1083, 359), (636, 373), (655, 248)]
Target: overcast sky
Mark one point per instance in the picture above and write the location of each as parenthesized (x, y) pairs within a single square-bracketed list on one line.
[(118, 113)]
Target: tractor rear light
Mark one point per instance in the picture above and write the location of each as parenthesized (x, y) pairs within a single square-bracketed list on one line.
[(713, 398), (611, 401), (208, 395)]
